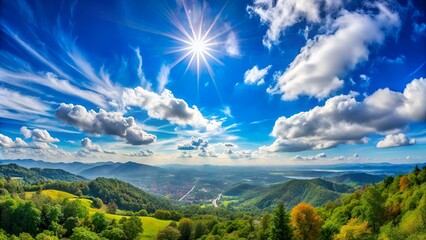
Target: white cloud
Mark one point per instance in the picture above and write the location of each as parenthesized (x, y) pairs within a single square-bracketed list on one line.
[(163, 77), (165, 106), (365, 80), (38, 135), (247, 154), (103, 122), (7, 142), (282, 14), (143, 81), (231, 45), (395, 140), (344, 120), (140, 153), (317, 70), (21, 107), (256, 76), (50, 80), (193, 144), (310, 158), (89, 145), (185, 154)]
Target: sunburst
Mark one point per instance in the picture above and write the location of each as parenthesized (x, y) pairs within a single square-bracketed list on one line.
[(197, 41)]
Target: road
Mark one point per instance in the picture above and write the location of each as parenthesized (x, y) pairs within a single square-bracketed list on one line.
[(214, 202), (186, 194)]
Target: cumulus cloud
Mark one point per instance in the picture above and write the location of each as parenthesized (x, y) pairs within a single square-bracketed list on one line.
[(344, 120), (229, 145), (320, 65), (193, 144), (204, 152), (248, 154), (165, 106), (7, 142), (38, 135), (395, 140), (256, 76), (90, 147), (231, 45), (185, 154), (310, 158), (103, 122), (140, 153), (282, 14)]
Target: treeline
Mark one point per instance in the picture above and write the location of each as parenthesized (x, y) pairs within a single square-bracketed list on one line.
[(42, 218), (394, 209), (113, 191)]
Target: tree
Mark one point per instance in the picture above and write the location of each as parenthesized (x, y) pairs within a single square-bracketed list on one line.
[(403, 183), (114, 233), (373, 203), (280, 229), (97, 203), (131, 226), (112, 207), (83, 233), (353, 230), (75, 209), (185, 228), (199, 229), (99, 222), (168, 233), (306, 222), (162, 214)]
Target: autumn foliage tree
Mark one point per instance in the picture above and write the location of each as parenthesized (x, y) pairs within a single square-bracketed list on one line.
[(353, 230), (306, 222)]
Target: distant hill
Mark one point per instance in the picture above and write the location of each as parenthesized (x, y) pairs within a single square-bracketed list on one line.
[(239, 189), (128, 169), (356, 179), (314, 191), (92, 170), (36, 175), (73, 167)]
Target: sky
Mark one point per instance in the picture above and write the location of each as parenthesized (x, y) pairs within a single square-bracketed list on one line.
[(232, 82)]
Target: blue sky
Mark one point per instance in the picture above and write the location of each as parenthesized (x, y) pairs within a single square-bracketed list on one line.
[(237, 83)]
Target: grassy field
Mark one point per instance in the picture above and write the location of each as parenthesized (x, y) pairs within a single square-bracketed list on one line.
[(150, 225)]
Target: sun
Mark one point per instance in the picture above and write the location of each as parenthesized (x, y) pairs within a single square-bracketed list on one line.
[(197, 43)]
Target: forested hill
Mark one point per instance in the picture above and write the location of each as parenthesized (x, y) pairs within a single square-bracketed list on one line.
[(314, 191), (37, 175), (125, 195)]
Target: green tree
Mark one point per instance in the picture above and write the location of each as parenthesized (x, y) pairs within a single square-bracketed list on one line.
[(99, 222), (25, 236), (29, 218), (83, 233), (114, 233), (168, 233), (131, 226), (75, 209), (280, 229), (185, 228), (374, 209), (97, 203), (199, 229)]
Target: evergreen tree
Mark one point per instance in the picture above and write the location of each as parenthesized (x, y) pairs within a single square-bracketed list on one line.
[(280, 229)]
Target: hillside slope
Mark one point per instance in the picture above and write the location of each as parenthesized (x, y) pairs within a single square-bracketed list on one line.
[(356, 179), (314, 191), (36, 175)]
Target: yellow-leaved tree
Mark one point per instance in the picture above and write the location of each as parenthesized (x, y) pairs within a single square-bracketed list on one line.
[(306, 222), (353, 230)]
